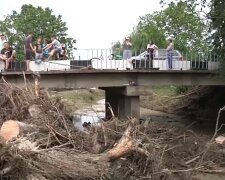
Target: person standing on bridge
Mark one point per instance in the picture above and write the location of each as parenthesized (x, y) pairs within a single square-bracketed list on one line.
[(169, 50), (127, 46), (151, 50), (127, 51), (28, 49)]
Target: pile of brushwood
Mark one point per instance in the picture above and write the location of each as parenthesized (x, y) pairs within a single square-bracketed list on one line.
[(44, 144), (198, 102)]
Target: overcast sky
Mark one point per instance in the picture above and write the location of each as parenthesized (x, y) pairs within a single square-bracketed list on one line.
[(93, 23)]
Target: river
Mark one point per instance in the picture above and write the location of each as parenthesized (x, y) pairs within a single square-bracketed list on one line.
[(95, 112)]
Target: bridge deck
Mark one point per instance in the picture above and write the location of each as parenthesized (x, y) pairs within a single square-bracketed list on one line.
[(110, 78), (96, 71)]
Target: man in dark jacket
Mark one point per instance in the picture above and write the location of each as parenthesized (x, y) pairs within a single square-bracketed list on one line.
[(28, 49)]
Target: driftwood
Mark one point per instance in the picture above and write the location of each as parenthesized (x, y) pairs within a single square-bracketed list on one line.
[(68, 163), (114, 150)]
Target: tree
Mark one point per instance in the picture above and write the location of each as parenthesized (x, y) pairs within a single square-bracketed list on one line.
[(180, 20), (146, 30), (217, 16), (202, 3), (41, 21), (117, 48)]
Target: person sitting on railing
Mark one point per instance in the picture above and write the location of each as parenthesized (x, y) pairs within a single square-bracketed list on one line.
[(63, 54), (8, 54), (55, 45), (38, 51), (46, 51)]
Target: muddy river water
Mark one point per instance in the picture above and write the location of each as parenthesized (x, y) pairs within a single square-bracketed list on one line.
[(95, 112)]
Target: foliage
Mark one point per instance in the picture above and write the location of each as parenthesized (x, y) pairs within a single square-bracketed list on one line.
[(217, 16), (147, 30), (117, 48), (38, 20), (180, 20), (202, 3), (181, 89)]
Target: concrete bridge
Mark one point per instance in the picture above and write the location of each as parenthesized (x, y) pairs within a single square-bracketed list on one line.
[(122, 88)]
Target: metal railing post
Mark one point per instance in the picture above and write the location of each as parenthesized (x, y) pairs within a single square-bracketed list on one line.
[(106, 59)]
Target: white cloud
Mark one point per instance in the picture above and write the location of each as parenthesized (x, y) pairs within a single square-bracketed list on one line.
[(94, 23)]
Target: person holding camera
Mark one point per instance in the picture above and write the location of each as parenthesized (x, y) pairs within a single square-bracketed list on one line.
[(151, 48), (127, 49)]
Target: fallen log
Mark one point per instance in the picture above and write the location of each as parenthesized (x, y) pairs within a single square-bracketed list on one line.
[(11, 129), (125, 145)]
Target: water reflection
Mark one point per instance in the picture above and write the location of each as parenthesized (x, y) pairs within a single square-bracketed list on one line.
[(90, 114), (80, 119)]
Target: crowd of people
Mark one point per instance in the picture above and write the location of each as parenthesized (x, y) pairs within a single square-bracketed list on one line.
[(151, 51), (44, 49), (41, 50)]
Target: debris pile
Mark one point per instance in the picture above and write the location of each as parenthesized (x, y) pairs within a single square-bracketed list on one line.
[(44, 144)]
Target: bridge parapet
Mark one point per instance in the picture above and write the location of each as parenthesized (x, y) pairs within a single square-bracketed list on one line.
[(102, 59)]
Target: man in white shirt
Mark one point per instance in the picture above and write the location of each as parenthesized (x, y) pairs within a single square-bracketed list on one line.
[(2, 41), (55, 45), (151, 49)]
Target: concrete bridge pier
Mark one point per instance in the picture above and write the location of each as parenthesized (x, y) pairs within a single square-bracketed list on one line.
[(124, 101)]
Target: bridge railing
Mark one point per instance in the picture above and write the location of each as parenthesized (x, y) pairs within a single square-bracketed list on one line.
[(102, 59), (108, 59)]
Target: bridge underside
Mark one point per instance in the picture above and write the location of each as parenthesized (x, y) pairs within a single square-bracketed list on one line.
[(93, 78), (122, 88)]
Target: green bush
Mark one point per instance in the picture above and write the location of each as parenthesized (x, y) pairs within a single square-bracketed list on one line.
[(181, 89)]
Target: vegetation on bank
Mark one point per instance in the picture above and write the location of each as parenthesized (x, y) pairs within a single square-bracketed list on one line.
[(76, 99)]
